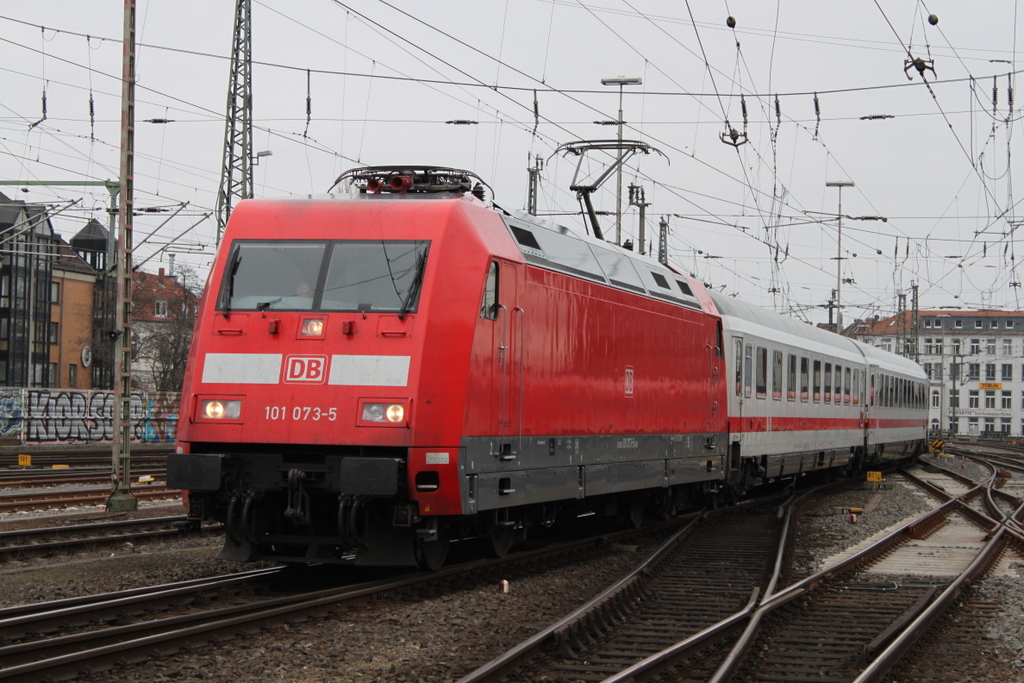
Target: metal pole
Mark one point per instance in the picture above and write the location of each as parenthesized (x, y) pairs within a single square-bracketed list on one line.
[(121, 497), (618, 177), (839, 252), (620, 81)]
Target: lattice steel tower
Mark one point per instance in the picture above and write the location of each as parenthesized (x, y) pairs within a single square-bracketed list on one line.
[(236, 171)]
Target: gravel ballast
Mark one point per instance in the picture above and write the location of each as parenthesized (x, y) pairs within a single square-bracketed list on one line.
[(438, 637)]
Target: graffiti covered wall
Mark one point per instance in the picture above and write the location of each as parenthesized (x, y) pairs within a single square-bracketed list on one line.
[(36, 416)]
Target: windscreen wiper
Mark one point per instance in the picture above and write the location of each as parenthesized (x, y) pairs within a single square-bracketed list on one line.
[(414, 287), (231, 282)]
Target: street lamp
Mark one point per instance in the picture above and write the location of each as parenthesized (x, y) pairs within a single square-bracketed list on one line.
[(839, 250), (620, 81)]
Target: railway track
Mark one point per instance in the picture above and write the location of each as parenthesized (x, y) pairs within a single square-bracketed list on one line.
[(851, 621), (846, 622), (22, 543), (154, 454), (36, 642), (54, 499), (28, 479)]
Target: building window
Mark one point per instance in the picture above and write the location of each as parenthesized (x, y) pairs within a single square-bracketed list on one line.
[(928, 345), (954, 398), (990, 372), (1007, 347), (927, 324), (956, 347), (1006, 400), (990, 425), (54, 292), (4, 331), (979, 324), (938, 346), (990, 347), (73, 376), (974, 371), (935, 399), (972, 399), (990, 399), (887, 345), (1007, 372), (975, 347), (928, 370), (958, 324), (54, 333), (1009, 324), (160, 308)]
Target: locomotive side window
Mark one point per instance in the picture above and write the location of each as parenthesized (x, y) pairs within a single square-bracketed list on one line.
[(777, 375), (872, 396), (846, 390), (817, 381), (748, 369), (828, 382), (739, 364), (791, 379), (804, 379), (489, 304), (762, 372), (856, 386)]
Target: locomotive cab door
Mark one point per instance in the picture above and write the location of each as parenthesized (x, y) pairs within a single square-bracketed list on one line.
[(507, 359)]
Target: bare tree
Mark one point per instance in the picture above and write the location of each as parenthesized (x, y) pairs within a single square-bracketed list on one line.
[(165, 313)]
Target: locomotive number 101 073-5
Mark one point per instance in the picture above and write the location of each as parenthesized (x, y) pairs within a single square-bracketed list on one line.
[(300, 413)]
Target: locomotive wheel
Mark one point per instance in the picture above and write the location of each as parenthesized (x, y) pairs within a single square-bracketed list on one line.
[(636, 512), (431, 554), (500, 540)]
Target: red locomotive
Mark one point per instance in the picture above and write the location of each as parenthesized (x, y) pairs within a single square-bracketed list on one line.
[(377, 373)]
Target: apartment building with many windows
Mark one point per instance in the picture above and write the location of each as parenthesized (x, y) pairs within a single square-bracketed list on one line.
[(974, 361)]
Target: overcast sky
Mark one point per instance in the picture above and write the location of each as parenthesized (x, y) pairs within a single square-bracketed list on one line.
[(384, 78)]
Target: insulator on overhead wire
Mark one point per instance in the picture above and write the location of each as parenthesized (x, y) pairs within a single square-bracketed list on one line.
[(743, 106), (778, 112), (730, 22), (817, 116), (995, 95), (536, 113)]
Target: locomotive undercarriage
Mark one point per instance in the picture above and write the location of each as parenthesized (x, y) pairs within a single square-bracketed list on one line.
[(311, 507), (355, 508)]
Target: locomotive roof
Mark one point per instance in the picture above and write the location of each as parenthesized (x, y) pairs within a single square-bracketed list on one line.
[(555, 247)]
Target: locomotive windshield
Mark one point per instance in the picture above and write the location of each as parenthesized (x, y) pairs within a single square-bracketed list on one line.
[(338, 275)]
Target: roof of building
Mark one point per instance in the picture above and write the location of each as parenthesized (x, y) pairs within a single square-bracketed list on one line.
[(150, 287), (69, 260), (92, 237), (902, 322)]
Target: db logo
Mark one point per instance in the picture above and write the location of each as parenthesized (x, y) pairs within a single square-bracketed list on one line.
[(305, 369), (629, 380)]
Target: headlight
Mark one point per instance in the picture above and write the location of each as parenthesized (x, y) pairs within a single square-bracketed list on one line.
[(312, 327), (217, 409), (383, 412)]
